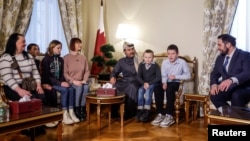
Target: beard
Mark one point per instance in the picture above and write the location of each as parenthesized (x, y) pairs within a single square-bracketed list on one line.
[(224, 52)]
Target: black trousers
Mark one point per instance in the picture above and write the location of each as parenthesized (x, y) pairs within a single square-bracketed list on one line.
[(130, 89), (172, 87), (239, 96), (14, 96), (50, 97)]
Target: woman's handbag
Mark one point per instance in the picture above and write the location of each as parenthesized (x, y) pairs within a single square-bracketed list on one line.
[(29, 83)]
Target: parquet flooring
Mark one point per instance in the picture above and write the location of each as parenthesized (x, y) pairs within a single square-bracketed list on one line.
[(132, 131)]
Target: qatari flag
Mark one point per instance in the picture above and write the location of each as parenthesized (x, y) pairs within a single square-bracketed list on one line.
[(100, 40)]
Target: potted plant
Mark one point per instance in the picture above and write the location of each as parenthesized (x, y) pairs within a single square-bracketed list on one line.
[(105, 61)]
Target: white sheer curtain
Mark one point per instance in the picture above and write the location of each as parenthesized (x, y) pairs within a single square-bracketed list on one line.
[(46, 25), (241, 26)]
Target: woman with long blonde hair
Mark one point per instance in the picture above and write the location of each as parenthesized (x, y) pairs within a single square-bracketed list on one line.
[(52, 68)]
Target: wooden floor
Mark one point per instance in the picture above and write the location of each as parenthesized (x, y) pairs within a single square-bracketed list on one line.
[(132, 131)]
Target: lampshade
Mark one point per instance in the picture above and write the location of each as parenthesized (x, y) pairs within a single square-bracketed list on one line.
[(125, 31)]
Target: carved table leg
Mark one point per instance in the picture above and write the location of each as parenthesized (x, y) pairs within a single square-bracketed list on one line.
[(205, 113), (122, 113), (195, 110), (99, 116), (59, 131), (109, 113), (88, 111), (187, 104)]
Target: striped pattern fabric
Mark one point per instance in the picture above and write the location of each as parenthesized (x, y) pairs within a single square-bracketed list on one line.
[(10, 76)]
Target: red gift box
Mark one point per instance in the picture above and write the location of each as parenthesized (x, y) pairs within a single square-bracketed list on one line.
[(106, 92), (36, 104), (17, 107)]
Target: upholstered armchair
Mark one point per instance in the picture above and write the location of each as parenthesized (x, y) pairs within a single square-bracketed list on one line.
[(186, 86)]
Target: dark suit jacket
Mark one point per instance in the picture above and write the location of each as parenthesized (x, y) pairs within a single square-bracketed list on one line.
[(239, 67)]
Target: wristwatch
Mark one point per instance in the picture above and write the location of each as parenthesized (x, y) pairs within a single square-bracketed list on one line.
[(231, 80)]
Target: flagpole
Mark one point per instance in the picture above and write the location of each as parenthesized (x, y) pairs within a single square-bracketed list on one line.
[(100, 40)]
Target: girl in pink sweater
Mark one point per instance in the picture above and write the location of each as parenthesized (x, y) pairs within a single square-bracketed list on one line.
[(76, 72)]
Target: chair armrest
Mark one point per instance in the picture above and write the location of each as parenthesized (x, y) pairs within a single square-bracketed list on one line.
[(182, 84), (95, 77), (188, 80), (178, 93), (2, 94)]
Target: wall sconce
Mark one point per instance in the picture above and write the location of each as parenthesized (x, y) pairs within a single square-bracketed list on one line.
[(126, 31)]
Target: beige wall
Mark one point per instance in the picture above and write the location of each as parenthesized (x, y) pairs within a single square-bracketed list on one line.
[(160, 23)]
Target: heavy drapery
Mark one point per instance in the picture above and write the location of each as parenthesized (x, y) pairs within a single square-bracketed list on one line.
[(14, 17), (71, 13), (218, 19)]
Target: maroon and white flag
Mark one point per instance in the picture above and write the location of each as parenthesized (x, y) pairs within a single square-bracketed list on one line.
[(100, 40)]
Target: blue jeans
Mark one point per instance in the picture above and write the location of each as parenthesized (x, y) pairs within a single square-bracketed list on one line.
[(67, 96), (146, 104), (80, 94)]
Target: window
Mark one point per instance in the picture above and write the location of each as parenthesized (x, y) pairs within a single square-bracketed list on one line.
[(46, 25), (241, 28)]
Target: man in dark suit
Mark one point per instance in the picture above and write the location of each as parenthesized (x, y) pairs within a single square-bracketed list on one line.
[(230, 78)]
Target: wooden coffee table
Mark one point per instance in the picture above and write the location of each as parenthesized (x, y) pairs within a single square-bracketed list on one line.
[(108, 100), (229, 115), (30, 120)]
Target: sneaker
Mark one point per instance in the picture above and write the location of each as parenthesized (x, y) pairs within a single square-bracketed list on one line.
[(157, 119), (168, 120), (66, 118), (51, 124), (73, 116)]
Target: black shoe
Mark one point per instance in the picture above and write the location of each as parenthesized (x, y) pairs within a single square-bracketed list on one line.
[(26, 132), (77, 111), (145, 116), (139, 114), (83, 113), (83, 117), (40, 130)]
